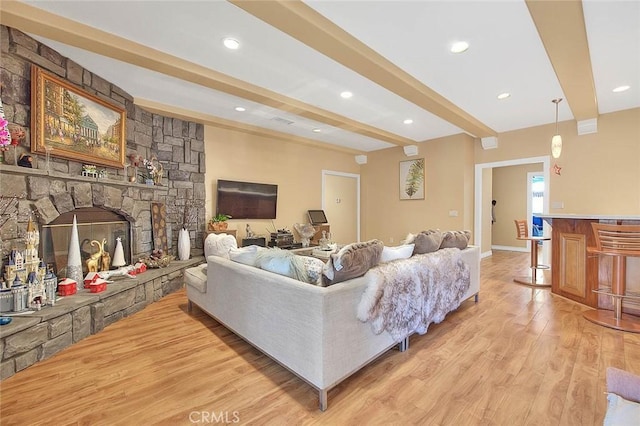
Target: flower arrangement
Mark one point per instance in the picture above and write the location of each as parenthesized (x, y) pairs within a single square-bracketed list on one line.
[(5, 136), (152, 168), (219, 222)]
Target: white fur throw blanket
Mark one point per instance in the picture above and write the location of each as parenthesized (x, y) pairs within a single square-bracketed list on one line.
[(405, 296)]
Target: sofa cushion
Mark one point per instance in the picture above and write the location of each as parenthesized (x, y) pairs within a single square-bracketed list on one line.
[(427, 241), (196, 277), (455, 239), (394, 253), (246, 255), (621, 411), (352, 261), (219, 245)]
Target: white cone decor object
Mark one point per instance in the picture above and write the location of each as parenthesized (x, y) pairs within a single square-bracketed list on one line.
[(74, 261), (118, 254), (184, 245)]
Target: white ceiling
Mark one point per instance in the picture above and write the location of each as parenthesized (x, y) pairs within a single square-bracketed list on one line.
[(506, 54)]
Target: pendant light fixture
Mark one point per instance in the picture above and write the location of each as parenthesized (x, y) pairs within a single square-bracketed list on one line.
[(556, 141)]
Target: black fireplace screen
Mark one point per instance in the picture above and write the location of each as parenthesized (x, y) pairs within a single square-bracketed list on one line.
[(93, 224)]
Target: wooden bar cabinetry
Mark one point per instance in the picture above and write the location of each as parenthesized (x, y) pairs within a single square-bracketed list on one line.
[(576, 273)]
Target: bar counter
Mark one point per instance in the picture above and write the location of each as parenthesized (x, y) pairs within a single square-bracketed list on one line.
[(574, 272)]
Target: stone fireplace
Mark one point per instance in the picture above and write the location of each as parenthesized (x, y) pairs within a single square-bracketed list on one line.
[(52, 194), (45, 194), (94, 224)]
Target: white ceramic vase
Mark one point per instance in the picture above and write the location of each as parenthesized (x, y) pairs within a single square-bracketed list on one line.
[(184, 245)]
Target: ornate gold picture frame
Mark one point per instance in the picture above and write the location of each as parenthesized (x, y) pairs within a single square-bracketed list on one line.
[(72, 123)]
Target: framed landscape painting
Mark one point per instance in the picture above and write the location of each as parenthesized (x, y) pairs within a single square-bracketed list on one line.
[(412, 179), (74, 124)]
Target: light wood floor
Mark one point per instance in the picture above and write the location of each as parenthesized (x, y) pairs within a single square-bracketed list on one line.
[(508, 360)]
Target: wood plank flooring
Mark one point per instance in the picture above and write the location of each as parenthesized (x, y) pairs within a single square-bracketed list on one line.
[(508, 360)]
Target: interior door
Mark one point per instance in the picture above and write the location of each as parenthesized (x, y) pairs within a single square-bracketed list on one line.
[(341, 205)]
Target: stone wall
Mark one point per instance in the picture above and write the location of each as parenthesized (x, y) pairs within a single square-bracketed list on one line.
[(177, 144)]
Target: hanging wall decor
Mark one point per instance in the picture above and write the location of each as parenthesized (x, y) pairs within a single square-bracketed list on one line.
[(77, 124), (412, 179)]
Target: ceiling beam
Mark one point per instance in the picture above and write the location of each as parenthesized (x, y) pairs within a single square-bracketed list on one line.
[(211, 120), (563, 32), (313, 29), (32, 20)]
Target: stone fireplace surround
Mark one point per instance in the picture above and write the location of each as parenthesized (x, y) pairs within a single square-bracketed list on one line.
[(177, 144)]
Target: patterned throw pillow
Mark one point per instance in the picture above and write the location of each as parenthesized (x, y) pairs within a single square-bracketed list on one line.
[(427, 241), (456, 239), (313, 270), (352, 261)]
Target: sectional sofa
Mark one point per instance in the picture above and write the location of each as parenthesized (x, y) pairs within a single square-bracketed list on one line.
[(311, 330)]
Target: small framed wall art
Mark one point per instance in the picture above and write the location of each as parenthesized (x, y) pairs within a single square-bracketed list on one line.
[(74, 124), (412, 179)]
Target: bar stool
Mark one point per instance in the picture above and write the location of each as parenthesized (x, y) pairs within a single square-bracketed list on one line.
[(533, 281), (617, 241)]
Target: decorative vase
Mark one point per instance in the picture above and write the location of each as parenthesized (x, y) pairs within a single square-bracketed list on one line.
[(184, 245), (74, 261)]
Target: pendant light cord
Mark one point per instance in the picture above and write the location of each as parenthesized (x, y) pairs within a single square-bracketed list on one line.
[(557, 101)]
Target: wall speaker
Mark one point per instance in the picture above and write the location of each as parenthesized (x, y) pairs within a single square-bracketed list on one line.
[(361, 159), (490, 142), (410, 150), (586, 127)]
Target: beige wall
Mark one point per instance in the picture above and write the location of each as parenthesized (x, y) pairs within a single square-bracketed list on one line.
[(448, 186), (295, 168), (600, 173), (510, 192)]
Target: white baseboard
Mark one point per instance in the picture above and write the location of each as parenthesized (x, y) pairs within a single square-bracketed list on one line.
[(510, 248), (485, 254)]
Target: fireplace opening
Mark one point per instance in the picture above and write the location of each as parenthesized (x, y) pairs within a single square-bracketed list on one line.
[(95, 225)]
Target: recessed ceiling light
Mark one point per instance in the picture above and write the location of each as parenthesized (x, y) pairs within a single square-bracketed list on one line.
[(504, 95), (621, 89), (240, 109), (231, 43), (346, 95), (316, 130), (408, 121), (459, 47)]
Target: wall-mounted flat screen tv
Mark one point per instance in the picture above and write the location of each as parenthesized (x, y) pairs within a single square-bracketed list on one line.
[(247, 200)]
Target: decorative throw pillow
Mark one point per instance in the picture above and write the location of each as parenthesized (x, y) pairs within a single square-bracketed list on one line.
[(621, 411), (352, 261), (455, 239), (275, 260), (246, 255), (312, 270), (395, 253), (427, 241), (219, 245), (283, 262)]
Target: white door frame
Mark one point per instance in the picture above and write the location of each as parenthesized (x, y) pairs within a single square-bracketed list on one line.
[(349, 175), (546, 167)]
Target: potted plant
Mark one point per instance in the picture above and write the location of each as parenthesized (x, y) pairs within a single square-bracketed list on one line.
[(219, 222)]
